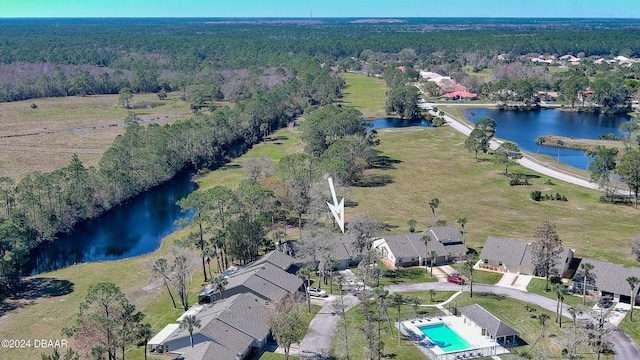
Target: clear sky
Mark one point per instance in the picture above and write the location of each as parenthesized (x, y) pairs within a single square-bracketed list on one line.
[(321, 8)]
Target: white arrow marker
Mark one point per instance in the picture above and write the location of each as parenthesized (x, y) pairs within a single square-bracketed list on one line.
[(336, 209)]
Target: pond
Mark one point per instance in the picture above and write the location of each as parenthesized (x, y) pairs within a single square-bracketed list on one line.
[(395, 123), (524, 127)]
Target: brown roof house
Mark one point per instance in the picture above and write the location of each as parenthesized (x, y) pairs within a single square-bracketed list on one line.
[(513, 255), (608, 279), (477, 317), (409, 249)]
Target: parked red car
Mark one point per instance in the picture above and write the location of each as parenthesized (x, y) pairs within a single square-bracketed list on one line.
[(456, 280)]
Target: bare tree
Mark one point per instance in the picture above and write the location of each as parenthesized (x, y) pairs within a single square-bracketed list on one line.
[(181, 278), (362, 227), (545, 250), (258, 167), (634, 247), (286, 321), (161, 269)]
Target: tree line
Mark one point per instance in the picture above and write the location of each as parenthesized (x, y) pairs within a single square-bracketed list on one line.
[(42, 205)]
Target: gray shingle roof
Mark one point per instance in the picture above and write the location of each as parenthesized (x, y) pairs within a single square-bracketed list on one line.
[(265, 279), (611, 277), (278, 259), (508, 251), (488, 321), (517, 252), (445, 241), (231, 324), (445, 234)]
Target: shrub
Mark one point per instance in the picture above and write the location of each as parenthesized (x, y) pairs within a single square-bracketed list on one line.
[(536, 195), (412, 225)]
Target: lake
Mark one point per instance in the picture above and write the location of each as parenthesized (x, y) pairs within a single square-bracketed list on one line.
[(524, 127)]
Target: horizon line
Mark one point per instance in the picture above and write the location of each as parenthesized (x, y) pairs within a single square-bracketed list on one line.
[(315, 18)]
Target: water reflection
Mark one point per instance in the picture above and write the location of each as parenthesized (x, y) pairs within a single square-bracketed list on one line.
[(524, 127), (132, 229)]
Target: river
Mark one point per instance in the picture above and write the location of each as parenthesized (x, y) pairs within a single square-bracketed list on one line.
[(524, 127), (134, 228)]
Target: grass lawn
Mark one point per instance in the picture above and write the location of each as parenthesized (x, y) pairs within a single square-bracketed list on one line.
[(430, 163), (48, 152), (283, 142), (536, 286), (365, 93), (406, 276), (273, 356), (632, 328), (486, 277), (425, 299)]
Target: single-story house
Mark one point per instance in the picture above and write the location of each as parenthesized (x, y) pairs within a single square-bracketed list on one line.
[(409, 249), (229, 329), (513, 255), (608, 279), (263, 279), (477, 317), (279, 259), (456, 95)]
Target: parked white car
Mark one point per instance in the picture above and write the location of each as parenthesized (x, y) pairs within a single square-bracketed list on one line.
[(316, 292)]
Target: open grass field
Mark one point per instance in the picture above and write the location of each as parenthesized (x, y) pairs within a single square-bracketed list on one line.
[(432, 163), (58, 128), (365, 93)]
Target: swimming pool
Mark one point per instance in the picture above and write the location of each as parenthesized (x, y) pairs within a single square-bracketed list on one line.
[(445, 338)]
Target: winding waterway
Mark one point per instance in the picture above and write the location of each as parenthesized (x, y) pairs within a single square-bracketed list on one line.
[(138, 226), (524, 127), (134, 228)]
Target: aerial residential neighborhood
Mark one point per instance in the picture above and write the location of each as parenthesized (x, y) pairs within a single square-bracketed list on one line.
[(319, 181)]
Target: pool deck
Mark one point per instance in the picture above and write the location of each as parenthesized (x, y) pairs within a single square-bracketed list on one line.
[(481, 345)]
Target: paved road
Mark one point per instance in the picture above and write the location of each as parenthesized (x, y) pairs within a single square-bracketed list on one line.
[(526, 161), (624, 347), (322, 327)]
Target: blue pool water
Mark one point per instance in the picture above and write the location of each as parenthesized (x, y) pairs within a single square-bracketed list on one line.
[(446, 339)]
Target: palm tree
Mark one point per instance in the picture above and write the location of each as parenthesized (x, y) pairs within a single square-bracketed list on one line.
[(542, 318), (559, 290), (432, 293), (190, 322), (468, 269), (558, 144), (633, 281), (219, 284), (305, 274), (462, 221), (432, 256), (586, 269), (331, 266), (398, 300), (433, 204), (426, 238), (145, 334), (574, 311)]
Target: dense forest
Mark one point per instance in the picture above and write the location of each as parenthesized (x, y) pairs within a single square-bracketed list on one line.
[(273, 70)]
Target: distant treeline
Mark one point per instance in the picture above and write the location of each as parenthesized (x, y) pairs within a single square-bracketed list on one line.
[(98, 56), (42, 205)]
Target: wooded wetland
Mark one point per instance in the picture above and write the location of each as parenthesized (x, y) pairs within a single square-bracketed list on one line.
[(102, 110)]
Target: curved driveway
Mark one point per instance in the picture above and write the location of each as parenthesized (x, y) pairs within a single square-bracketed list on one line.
[(322, 327)]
